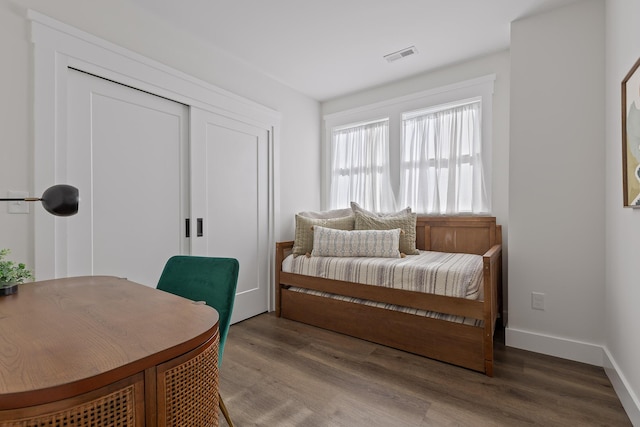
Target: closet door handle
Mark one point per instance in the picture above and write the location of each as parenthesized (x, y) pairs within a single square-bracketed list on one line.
[(199, 224), (187, 227)]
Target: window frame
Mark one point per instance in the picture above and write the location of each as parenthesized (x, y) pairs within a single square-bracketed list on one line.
[(394, 108)]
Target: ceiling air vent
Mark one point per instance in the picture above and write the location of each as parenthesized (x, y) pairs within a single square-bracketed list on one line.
[(401, 54)]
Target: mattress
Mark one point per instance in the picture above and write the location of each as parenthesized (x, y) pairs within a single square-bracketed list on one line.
[(448, 274), (455, 275)]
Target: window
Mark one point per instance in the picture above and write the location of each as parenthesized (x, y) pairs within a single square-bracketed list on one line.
[(360, 166), (441, 160), (430, 151)]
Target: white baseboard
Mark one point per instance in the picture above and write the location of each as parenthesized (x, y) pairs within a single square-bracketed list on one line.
[(579, 352), (629, 400), (555, 346)]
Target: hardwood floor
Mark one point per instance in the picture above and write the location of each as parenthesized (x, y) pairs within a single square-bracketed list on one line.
[(277, 372)]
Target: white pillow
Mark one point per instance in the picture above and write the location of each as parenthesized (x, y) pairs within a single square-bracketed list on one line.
[(335, 213), (356, 243)]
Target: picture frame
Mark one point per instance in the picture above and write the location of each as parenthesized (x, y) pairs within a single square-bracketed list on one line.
[(631, 137)]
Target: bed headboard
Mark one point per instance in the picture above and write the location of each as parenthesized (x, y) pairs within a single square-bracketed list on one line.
[(461, 234)]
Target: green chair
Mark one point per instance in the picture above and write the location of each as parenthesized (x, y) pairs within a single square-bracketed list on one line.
[(212, 280)]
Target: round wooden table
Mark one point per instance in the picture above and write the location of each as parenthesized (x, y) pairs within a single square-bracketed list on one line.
[(87, 351)]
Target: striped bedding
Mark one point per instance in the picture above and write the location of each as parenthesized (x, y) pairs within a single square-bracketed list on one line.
[(455, 275)]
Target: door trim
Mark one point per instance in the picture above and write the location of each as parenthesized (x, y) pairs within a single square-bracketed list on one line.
[(58, 46)]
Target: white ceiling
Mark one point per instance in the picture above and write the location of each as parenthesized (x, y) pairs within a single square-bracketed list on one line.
[(328, 48)]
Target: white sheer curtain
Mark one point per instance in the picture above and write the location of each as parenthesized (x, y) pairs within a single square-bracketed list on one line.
[(360, 167), (441, 162)]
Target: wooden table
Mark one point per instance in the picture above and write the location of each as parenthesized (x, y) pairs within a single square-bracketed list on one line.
[(104, 351)]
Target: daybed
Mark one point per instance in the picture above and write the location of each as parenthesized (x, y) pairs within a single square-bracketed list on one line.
[(462, 344)]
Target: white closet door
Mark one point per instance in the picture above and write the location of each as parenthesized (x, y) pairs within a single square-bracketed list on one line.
[(231, 170), (127, 153)]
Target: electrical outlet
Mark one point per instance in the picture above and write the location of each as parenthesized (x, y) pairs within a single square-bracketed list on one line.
[(17, 207), (537, 300)]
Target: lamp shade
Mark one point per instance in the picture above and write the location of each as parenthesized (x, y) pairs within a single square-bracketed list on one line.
[(61, 200)]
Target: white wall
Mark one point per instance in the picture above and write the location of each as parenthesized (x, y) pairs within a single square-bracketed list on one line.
[(556, 176), (126, 25), (622, 224)]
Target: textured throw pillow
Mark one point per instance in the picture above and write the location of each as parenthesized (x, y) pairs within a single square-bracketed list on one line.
[(357, 208), (303, 243), (406, 222), (356, 243)]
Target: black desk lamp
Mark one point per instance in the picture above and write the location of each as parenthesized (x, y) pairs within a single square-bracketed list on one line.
[(59, 200)]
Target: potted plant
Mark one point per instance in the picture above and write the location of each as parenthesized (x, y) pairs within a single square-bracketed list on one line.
[(11, 274)]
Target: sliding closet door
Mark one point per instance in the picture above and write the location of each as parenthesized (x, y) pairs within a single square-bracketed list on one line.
[(127, 153), (231, 171)]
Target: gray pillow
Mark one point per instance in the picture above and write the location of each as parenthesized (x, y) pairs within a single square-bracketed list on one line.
[(357, 208), (303, 242), (406, 222)]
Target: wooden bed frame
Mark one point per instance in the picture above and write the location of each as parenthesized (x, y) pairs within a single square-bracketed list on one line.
[(463, 345)]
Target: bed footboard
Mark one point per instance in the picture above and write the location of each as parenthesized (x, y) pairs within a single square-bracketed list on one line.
[(492, 263), (283, 249)]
